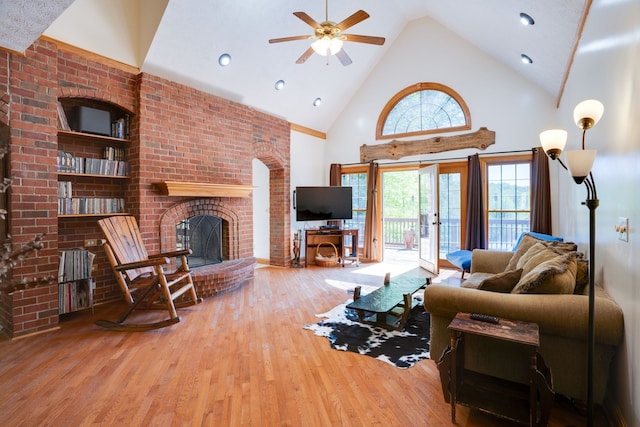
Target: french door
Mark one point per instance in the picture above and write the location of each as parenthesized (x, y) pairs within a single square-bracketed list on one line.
[(429, 218)]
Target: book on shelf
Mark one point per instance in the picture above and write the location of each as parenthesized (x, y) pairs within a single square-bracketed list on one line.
[(63, 123), (113, 153), (90, 205), (64, 189), (75, 295), (115, 166), (75, 264), (120, 127)]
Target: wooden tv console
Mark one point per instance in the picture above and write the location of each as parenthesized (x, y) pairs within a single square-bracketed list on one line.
[(347, 250)]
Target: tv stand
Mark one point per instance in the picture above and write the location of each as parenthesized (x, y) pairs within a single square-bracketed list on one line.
[(347, 249)]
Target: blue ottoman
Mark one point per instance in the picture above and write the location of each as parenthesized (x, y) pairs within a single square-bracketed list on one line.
[(461, 259)]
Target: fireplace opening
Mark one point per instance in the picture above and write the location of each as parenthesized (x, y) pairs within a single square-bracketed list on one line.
[(203, 235)]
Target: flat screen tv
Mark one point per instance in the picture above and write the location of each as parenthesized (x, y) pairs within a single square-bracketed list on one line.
[(323, 203)]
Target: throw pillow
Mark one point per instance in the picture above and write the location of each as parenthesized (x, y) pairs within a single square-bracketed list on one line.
[(539, 251), (501, 282), (555, 275), (528, 241)]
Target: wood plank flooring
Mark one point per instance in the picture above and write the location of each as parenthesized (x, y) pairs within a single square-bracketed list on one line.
[(237, 359)]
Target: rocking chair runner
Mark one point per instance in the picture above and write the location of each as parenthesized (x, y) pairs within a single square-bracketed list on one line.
[(141, 277)]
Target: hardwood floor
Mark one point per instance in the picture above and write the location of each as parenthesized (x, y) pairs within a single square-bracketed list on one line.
[(241, 358)]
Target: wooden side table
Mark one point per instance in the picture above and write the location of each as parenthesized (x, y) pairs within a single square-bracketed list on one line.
[(517, 402)]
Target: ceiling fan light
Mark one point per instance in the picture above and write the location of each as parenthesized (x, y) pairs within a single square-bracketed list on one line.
[(321, 45), (327, 45), (336, 45)]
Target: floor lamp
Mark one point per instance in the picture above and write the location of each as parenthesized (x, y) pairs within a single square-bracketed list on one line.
[(586, 115)]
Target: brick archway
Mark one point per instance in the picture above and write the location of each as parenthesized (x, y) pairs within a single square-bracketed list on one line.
[(279, 190)]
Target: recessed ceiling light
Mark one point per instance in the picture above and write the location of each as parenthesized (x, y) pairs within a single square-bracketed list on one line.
[(279, 85), (224, 60), (317, 102), (526, 19), (526, 59)]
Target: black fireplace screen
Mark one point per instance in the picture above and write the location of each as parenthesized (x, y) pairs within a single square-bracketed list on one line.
[(203, 235)]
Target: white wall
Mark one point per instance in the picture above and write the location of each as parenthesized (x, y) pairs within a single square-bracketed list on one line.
[(261, 247), (308, 168), (425, 51), (607, 68)]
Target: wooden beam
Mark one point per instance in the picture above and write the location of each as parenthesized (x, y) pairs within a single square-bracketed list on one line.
[(308, 131), (395, 149)]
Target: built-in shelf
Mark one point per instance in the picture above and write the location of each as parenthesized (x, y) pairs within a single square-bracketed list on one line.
[(92, 136), (202, 189), (92, 215), (92, 175)]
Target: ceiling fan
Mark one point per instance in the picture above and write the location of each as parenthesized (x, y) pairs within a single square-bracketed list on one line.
[(329, 37)]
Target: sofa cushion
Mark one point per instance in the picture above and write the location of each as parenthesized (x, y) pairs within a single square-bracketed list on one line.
[(582, 276), (528, 241), (474, 280), (501, 282), (548, 272)]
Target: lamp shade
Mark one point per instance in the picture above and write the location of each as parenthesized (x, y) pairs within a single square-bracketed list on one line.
[(580, 163), (327, 45), (588, 113), (553, 142)]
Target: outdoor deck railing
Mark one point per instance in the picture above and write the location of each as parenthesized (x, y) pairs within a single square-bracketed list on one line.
[(502, 233)]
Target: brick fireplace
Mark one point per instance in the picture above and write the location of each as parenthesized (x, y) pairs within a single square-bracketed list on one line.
[(177, 133), (234, 270)]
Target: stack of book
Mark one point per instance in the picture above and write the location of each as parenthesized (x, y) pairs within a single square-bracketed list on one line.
[(68, 163), (75, 264), (90, 205)]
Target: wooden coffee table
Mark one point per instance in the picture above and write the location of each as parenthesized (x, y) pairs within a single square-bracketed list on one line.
[(388, 306)]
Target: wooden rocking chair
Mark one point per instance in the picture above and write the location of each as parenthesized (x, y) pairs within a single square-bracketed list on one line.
[(141, 277)]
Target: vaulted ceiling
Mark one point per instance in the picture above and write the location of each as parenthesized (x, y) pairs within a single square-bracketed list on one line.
[(181, 40)]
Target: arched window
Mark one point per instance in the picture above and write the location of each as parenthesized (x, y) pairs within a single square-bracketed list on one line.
[(422, 109)]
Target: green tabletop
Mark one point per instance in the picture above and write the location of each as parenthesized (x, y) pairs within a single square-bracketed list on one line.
[(388, 296)]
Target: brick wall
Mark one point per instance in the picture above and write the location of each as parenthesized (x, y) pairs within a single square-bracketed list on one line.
[(178, 133), (188, 135), (32, 165), (5, 300)]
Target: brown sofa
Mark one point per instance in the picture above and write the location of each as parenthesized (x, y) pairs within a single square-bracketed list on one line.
[(562, 319)]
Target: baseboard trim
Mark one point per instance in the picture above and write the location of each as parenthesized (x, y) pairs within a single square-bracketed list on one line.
[(33, 334)]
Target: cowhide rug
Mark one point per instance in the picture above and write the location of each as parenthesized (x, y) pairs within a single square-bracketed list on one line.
[(402, 349)]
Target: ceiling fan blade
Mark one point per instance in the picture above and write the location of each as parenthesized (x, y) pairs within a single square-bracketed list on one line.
[(352, 20), (306, 55), (289, 39), (364, 39), (343, 57), (306, 18)]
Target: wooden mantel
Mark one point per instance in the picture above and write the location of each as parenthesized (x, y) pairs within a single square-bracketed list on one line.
[(202, 189)]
